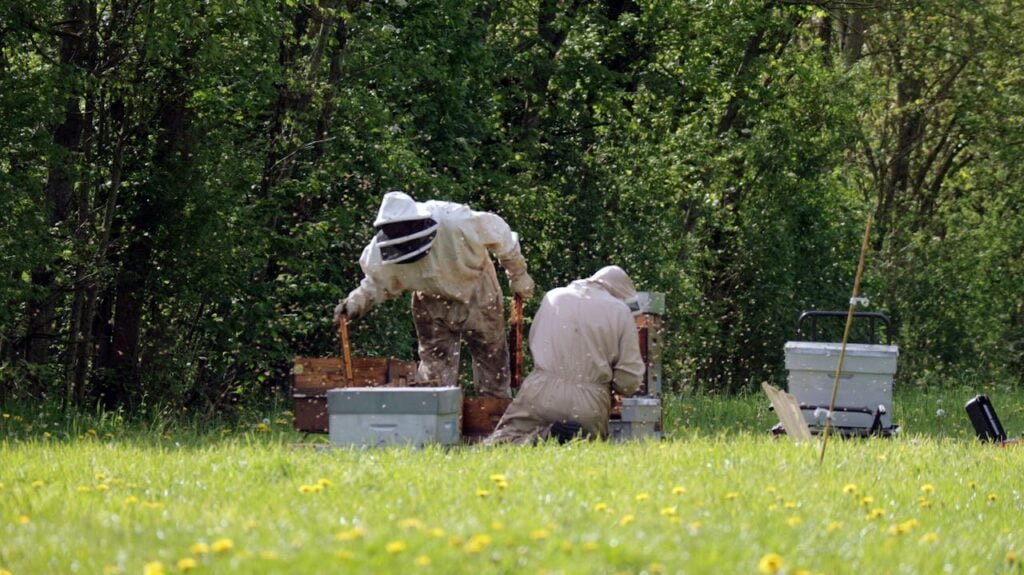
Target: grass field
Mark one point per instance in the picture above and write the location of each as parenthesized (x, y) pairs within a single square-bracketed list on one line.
[(94, 495)]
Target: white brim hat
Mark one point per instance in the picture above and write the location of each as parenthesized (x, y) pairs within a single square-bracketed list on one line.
[(399, 207)]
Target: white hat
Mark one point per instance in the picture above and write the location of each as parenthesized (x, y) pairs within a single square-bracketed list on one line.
[(399, 207)]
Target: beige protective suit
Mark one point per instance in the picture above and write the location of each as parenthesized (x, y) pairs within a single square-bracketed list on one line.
[(584, 343), (455, 287)]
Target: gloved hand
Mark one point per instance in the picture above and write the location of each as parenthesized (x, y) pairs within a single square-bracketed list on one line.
[(353, 307), (522, 285)]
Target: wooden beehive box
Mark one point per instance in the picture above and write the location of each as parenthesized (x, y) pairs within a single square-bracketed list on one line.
[(480, 415)]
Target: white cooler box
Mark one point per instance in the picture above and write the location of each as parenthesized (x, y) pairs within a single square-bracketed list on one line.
[(865, 384)]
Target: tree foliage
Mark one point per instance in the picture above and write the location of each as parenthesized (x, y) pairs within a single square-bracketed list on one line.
[(187, 185)]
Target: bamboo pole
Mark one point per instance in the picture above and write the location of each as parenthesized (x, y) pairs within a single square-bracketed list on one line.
[(846, 337)]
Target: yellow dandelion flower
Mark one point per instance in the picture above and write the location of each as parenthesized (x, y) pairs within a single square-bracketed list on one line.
[(911, 523), (102, 487), (669, 511), (876, 513), (929, 538), (187, 564), (992, 497), (322, 482), (7, 416), (478, 543), (801, 572), (23, 520), (627, 519), (84, 489), (867, 500), (770, 563), (100, 476), (436, 532), (772, 507), (834, 525), (850, 488), (972, 484), (344, 554), (38, 483), (497, 525), (1011, 556), (589, 546), (602, 506), (153, 568), (927, 488), (482, 493), (5, 572), (539, 534), (790, 505), (794, 521), (643, 496), (678, 490), (411, 523), (923, 503), (350, 534), (731, 495), (394, 547), (199, 548), (131, 500), (222, 545), (423, 561), (152, 505), (770, 489), (262, 427), (498, 478), (455, 541)]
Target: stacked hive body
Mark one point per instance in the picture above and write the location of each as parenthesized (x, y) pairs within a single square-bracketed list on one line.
[(640, 416), (313, 377)]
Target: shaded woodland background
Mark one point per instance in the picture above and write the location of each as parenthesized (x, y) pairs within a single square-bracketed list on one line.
[(186, 185)]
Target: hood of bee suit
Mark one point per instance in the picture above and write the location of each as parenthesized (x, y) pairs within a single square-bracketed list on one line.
[(615, 281)]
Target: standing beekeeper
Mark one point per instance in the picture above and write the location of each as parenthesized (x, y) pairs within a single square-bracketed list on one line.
[(441, 252), (584, 344)]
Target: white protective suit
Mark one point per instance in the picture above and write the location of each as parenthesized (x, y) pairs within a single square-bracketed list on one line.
[(584, 343), (456, 290)]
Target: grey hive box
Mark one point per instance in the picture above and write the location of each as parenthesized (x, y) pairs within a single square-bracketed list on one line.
[(641, 417), (865, 382), (378, 416)]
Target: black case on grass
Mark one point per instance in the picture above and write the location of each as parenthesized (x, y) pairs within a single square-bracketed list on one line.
[(984, 419)]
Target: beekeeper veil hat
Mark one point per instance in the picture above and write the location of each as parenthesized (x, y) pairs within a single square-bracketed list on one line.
[(405, 227)]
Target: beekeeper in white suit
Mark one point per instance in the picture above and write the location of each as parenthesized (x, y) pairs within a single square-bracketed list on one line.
[(441, 252), (584, 344)]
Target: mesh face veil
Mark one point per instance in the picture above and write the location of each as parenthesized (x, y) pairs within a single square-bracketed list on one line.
[(406, 242)]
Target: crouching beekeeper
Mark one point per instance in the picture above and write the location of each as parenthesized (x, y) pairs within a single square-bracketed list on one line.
[(584, 344), (441, 252)]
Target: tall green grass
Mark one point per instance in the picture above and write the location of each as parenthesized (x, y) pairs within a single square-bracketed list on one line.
[(719, 495)]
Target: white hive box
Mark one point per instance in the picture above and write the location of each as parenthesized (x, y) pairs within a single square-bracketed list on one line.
[(376, 416), (865, 381)]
